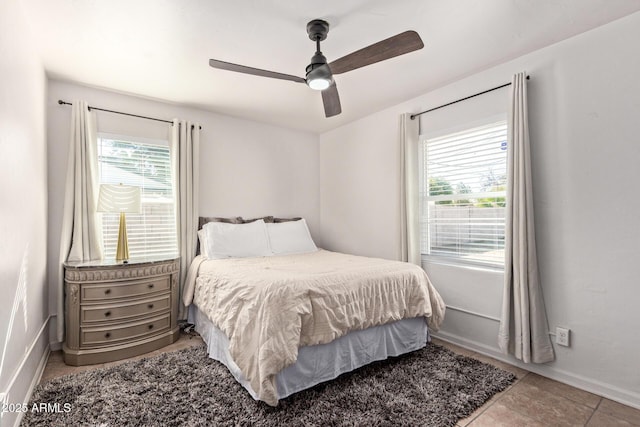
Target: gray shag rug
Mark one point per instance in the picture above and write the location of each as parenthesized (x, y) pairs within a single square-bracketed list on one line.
[(430, 387)]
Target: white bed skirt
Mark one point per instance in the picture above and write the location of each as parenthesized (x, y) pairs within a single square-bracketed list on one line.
[(324, 362)]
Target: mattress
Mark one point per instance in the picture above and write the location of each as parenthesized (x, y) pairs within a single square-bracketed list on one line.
[(322, 362)]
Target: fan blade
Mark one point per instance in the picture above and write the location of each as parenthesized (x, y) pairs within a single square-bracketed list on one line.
[(386, 49), (331, 101), (254, 71)]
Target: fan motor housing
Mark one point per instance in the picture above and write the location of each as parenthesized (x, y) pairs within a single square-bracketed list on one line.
[(317, 60)]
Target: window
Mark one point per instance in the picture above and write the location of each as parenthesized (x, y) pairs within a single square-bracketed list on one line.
[(463, 190), (144, 163)]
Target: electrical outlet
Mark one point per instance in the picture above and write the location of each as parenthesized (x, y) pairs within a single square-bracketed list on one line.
[(562, 336)]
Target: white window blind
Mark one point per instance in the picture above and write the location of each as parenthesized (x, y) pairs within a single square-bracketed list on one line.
[(463, 189), (146, 164)]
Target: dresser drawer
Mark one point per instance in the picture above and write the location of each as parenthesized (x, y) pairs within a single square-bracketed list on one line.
[(125, 310), (104, 292), (90, 336)]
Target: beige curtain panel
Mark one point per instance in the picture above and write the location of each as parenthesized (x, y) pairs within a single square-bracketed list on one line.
[(524, 331), (185, 152), (409, 190), (81, 234)]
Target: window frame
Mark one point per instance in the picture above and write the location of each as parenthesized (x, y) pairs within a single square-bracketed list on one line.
[(135, 251), (443, 259)]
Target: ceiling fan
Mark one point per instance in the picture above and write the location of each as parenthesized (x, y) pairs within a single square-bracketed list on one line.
[(319, 73)]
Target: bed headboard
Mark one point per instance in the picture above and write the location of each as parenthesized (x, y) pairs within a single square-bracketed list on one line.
[(205, 219)]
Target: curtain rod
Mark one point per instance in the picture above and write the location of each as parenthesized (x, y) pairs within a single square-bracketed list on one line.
[(413, 116), (61, 102)]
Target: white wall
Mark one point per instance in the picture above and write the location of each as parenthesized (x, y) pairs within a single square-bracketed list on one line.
[(23, 210), (584, 118), (246, 168)]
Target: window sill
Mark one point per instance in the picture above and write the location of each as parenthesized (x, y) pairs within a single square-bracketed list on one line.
[(469, 265)]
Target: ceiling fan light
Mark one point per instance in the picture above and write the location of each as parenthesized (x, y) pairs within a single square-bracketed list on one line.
[(319, 76), (319, 83)]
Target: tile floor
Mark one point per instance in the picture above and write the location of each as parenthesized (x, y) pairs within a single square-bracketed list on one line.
[(532, 400)]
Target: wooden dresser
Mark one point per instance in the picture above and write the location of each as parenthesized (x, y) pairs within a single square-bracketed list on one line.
[(115, 311)]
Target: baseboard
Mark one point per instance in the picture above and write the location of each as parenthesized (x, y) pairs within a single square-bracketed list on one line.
[(53, 323), (27, 375), (626, 397)]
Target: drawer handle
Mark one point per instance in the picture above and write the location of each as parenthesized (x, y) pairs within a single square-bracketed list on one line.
[(107, 291), (107, 313), (151, 286), (150, 306), (107, 335), (151, 326)]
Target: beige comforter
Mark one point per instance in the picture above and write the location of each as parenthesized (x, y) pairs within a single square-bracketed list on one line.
[(270, 306)]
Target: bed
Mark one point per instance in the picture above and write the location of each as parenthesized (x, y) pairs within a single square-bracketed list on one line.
[(283, 315)]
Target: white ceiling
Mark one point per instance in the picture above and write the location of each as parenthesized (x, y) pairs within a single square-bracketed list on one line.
[(161, 48)]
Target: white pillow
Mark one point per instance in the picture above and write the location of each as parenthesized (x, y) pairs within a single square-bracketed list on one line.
[(202, 238), (291, 237), (237, 240)]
